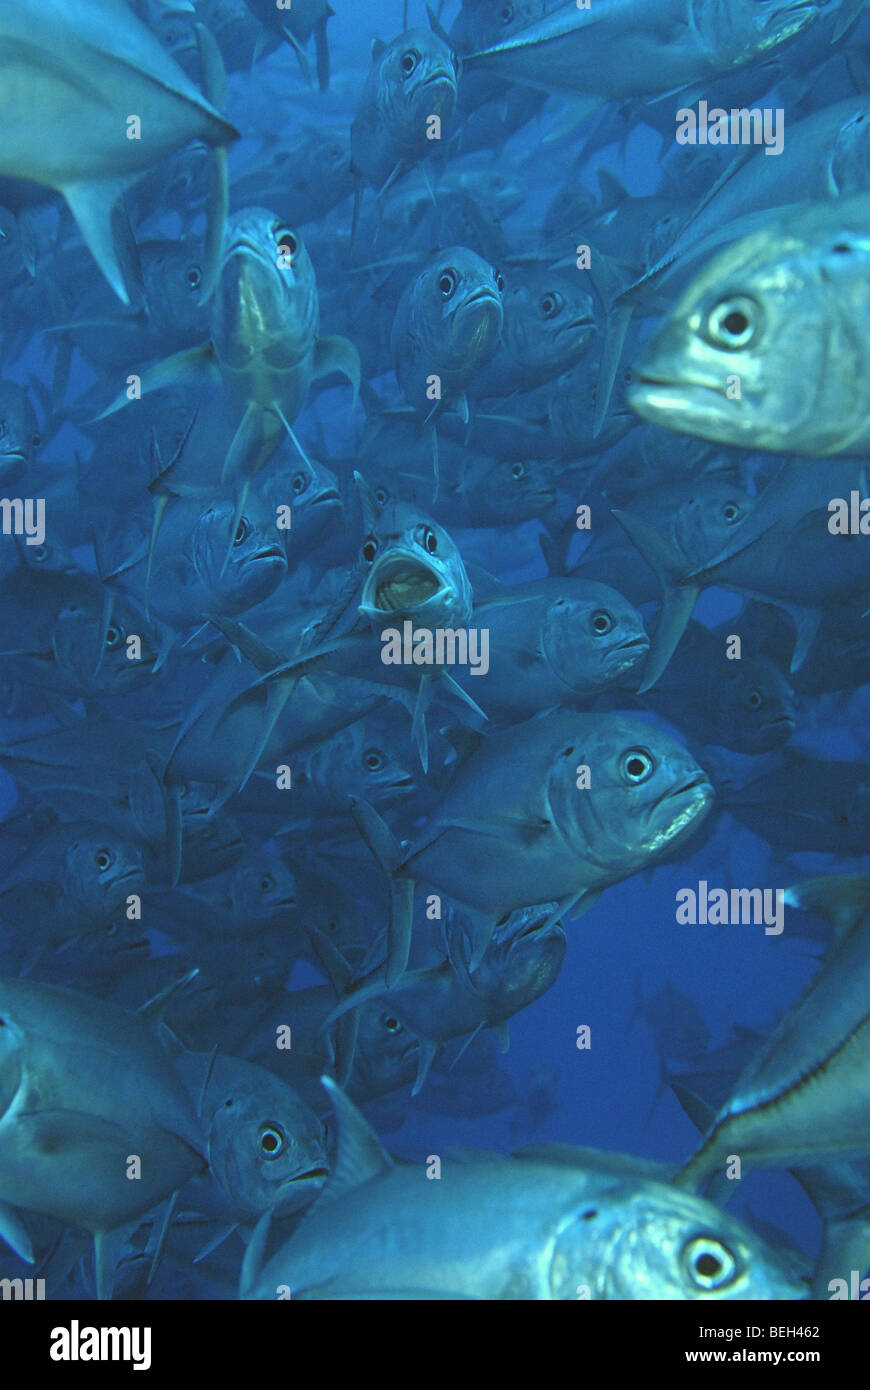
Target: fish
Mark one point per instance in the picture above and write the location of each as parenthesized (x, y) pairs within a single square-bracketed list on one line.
[(264, 345), (70, 64), (411, 81), (646, 794), (447, 325), (696, 1251), (269, 1154), (86, 1088), (606, 52), (796, 1098), (711, 369)]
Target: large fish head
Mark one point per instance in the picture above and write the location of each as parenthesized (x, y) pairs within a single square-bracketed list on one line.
[(311, 490), (522, 960), (263, 889), (255, 563), (645, 794), (724, 363), (518, 490), (416, 80), (386, 1052), (756, 706), (705, 515), (104, 657), (102, 867), (658, 1243), (593, 636), (458, 309), (19, 431), (413, 570), (266, 1146), (173, 271), (265, 303), (548, 319), (359, 761)]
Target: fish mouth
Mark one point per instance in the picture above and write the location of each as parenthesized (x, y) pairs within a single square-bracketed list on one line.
[(329, 494), (268, 552), (401, 581), (700, 782), (630, 642), (12, 455), (481, 295), (438, 78)]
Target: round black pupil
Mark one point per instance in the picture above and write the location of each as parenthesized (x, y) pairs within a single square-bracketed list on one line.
[(736, 323), (446, 284), (409, 62), (601, 623), (636, 767), (708, 1266), (270, 1143), (517, 470), (392, 1024), (241, 530), (431, 543)]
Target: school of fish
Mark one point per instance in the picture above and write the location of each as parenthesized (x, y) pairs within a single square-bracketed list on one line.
[(436, 530)]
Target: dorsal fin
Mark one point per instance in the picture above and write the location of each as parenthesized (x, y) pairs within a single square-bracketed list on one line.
[(360, 1155)]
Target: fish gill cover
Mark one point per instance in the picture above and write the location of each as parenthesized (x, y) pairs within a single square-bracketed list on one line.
[(434, 594)]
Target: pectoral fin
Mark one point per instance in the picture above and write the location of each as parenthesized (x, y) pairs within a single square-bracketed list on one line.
[(337, 354)]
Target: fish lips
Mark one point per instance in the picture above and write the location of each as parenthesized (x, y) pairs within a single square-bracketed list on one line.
[(300, 1190), (401, 582), (698, 793)]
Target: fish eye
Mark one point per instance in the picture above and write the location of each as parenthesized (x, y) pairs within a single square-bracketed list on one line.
[(373, 760), (447, 282), (194, 277), (733, 323), (243, 530), (430, 540), (286, 241), (391, 1024), (36, 440), (517, 470), (754, 699), (602, 622), (267, 882), (370, 550), (271, 1141), (636, 765), (298, 482), (410, 61), (731, 511), (842, 248), (381, 495), (708, 1263), (551, 304), (104, 859), (41, 553), (499, 280), (114, 635), (506, 14)]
